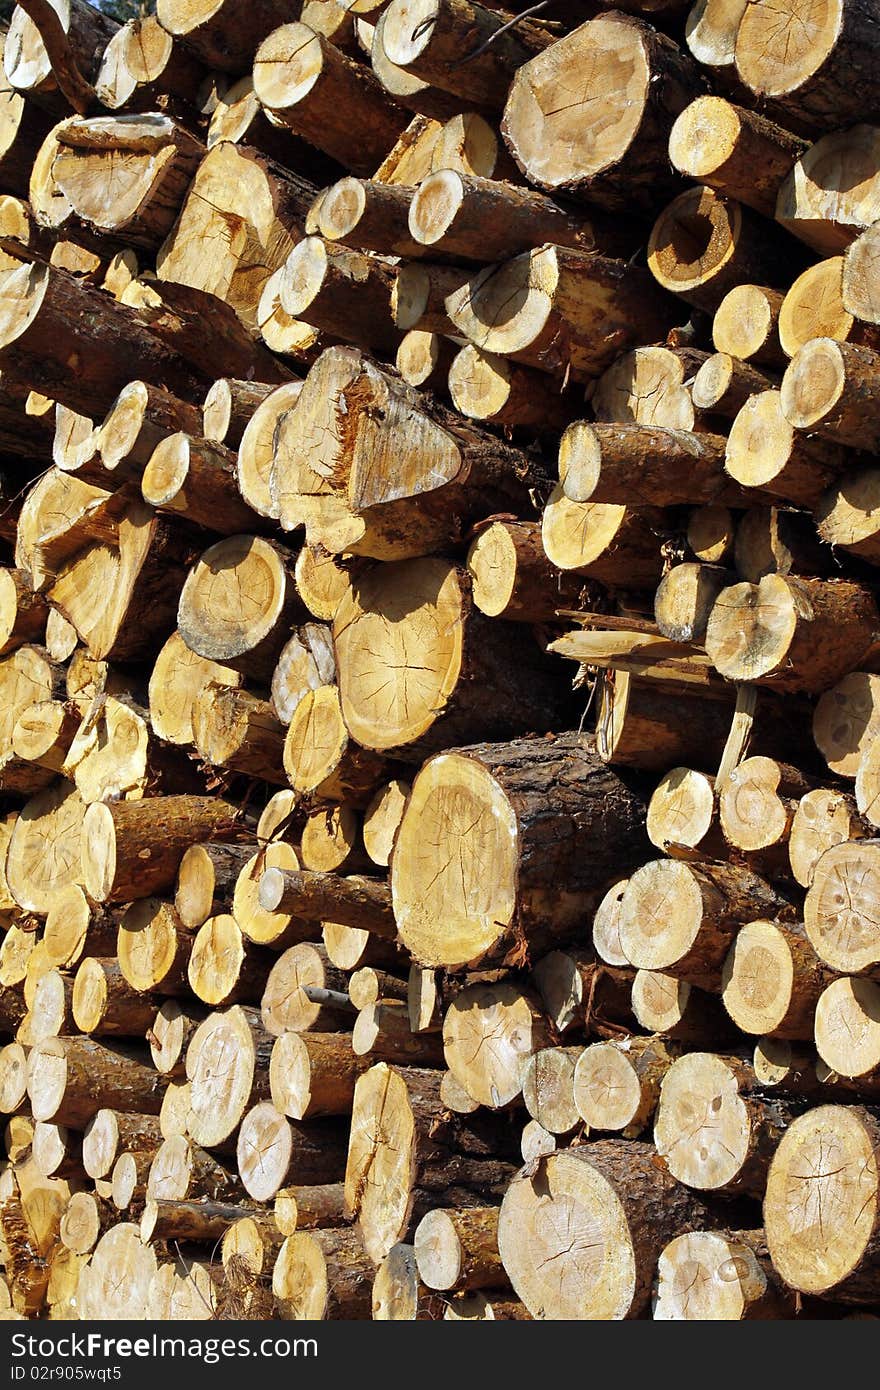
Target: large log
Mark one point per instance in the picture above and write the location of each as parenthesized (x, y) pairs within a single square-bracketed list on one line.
[(580, 1234), (615, 156), (524, 808)]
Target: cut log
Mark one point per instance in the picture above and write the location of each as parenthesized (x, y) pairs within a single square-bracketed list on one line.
[(306, 662), (341, 292), (408, 90), (606, 922), (703, 244), (382, 1032), (513, 579), (229, 407), (84, 34), (287, 1007), (276, 929), (602, 1214), (369, 986), (313, 88), (772, 980), (714, 1134), (813, 308), (238, 731), (134, 849), (273, 1153), (503, 795), (45, 732), (419, 294), (860, 280), (615, 545), (85, 1220), (143, 68), (845, 514), (682, 918), (23, 613), (153, 948), (257, 447), (71, 1079), (616, 1085), (222, 35), (322, 1274), (224, 968), (321, 581), (430, 37), (808, 70), (757, 805), (487, 387), (227, 1066), (719, 1276), (429, 701), (823, 818), (685, 598), (47, 315), (197, 1221), (459, 1249), (267, 203), (831, 389), (353, 901), (177, 678), (382, 820), (313, 1074), (710, 533), (169, 1036), (765, 452), (398, 1294), (677, 1010), (368, 216), (45, 847), (111, 1132), (796, 634), (833, 191), (734, 151), (840, 915), (206, 880), (615, 159), (483, 220), (103, 1002), (642, 465), (119, 1277), (407, 1149), (746, 325), (316, 1206), (197, 479), (489, 1034), (724, 384), (182, 1170), (770, 540), (319, 758), (548, 1088), (74, 928), (331, 841), (825, 1163), (847, 1034), (237, 604), (551, 308), (682, 814)]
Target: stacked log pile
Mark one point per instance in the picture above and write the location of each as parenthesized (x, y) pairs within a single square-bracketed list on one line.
[(440, 661)]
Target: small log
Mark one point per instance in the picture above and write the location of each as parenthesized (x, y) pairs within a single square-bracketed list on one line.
[(313, 1074), (723, 384), (828, 198), (419, 294), (710, 533), (198, 479), (104, 1004), (153, 949), (354, 901), (765, 452), (772, 981), (287, 1003), (224, 968), (679, 1011), (832, 389), (115, 867), (322, 1274), (273, 1152), (459, 1249), (480, 1013), (616, 1085), (225, 38), (315, 90), (846, 940), (206, 879), (770, 540), (341, 292), (229, 407), (279, 928), (111, 1132), (548, 1088), (382, 819), (814, 308), (398, 1294), (71, 1079), (316, 1206), (181, 1170), (485, 386), (382, 1032), (719, 1276), (682, 918), (734, 151), (234, 729), (715, 1134), (513, 579), (823, 818), (321, 760)]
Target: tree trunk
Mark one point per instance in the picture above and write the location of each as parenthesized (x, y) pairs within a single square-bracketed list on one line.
[(341, 292), (353, 901), (321, 760), (419, 294), (104, 1003), (833, 389), (176, 680), (626, 1207), (680, 1012), (221, 1094), (827, 199), (239, 731), (746, 325), (764, 452), (814, 308), (398, 1293), (424, 360), (616, 545), (487, 387), (181, 1170), (643, 466)]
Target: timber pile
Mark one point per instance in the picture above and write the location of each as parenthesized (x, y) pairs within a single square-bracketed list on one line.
[(369, 370)]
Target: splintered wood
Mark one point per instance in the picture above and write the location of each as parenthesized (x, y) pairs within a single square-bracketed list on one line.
[(440, 661)]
